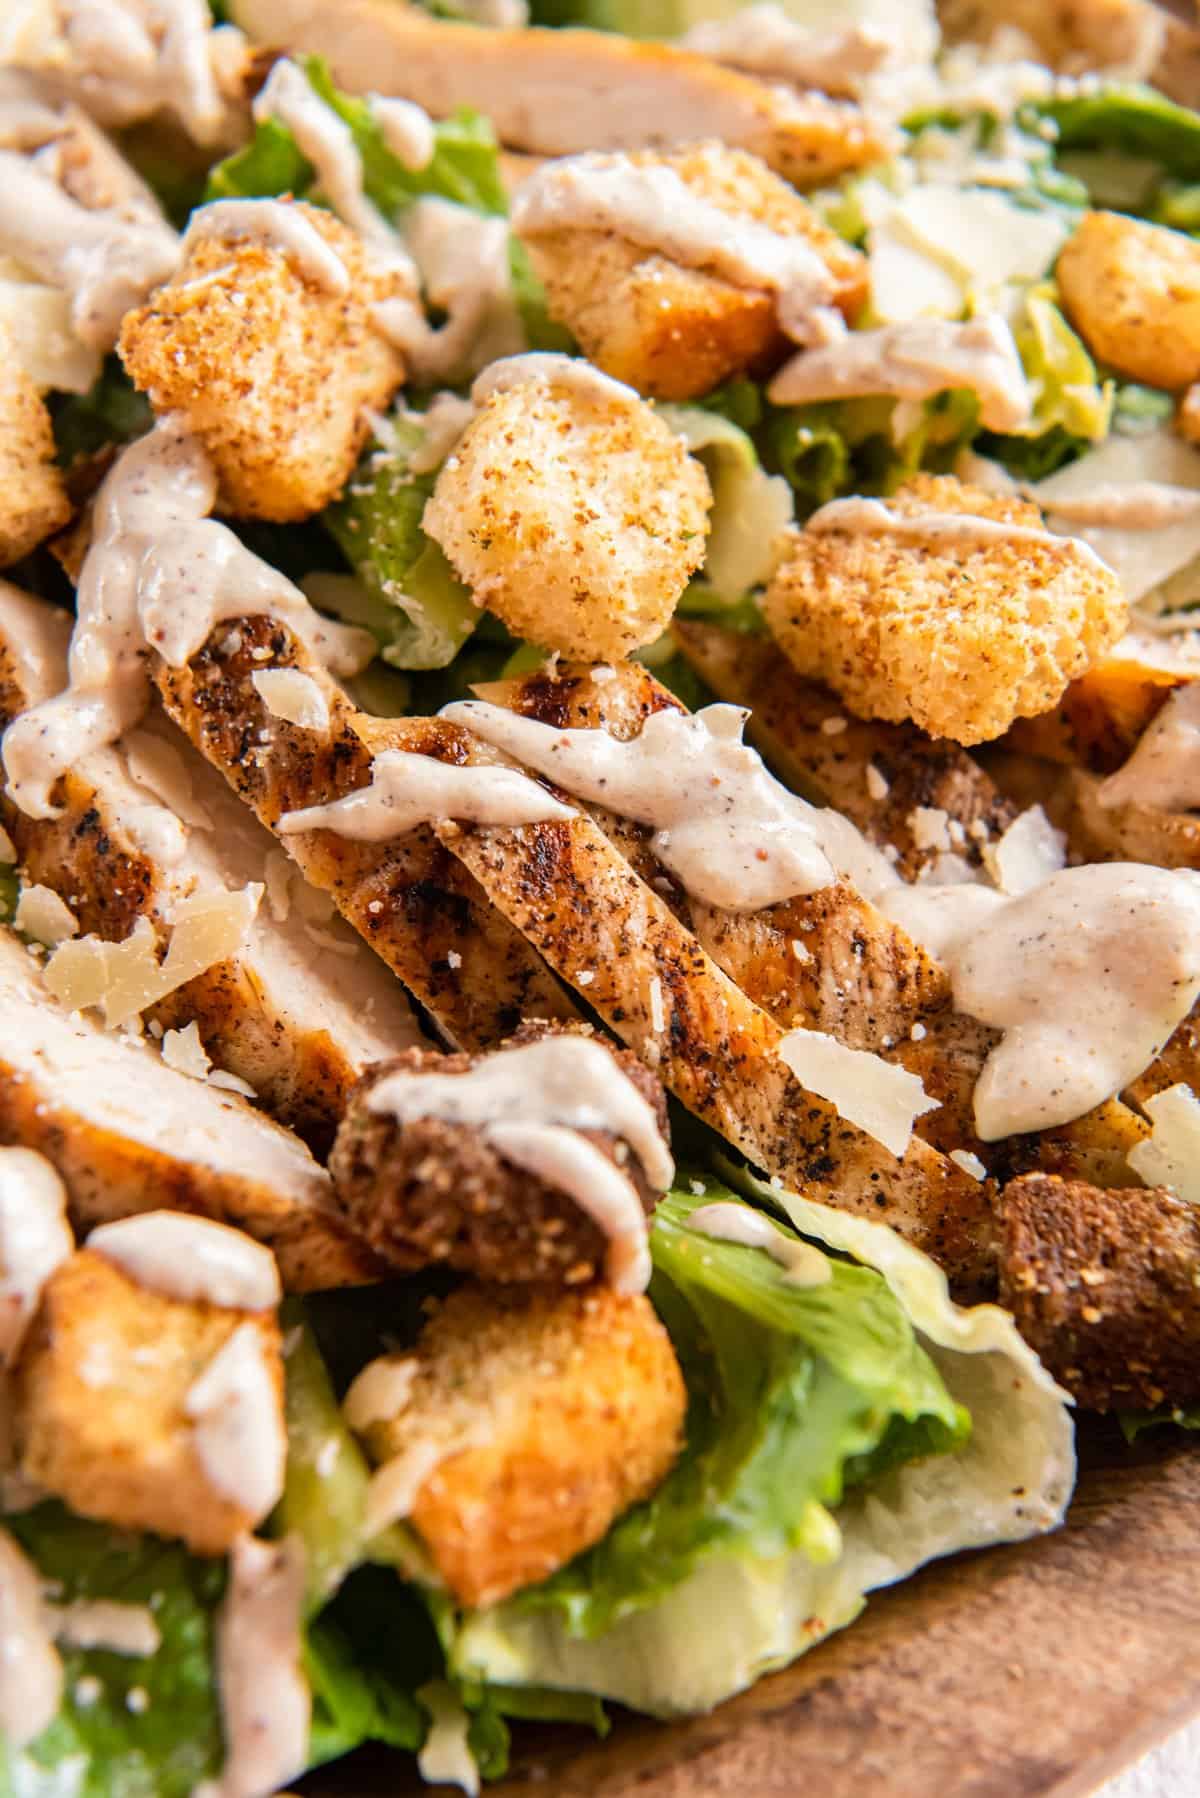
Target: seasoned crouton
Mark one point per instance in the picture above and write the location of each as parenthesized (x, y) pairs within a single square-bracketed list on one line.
[(961, 636), (271, 370), (555, 1413), (431, 1191), (573, 513), (671, 331), (33, 500), (1106, 1287), (1132, 291), (102, 1403)]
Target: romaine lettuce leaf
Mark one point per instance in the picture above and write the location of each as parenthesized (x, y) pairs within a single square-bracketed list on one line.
[(113, 412), (406, 591), (1067, 391), (464, 168), (787, 1386), (738, 1615), (1122, 115), (751, 509), (1133, 1423)]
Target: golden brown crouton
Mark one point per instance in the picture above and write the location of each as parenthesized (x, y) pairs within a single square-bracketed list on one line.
[(575, 514), (1132, 291), (1187, 416), (270, 370), (33, 500), (961, 636), (101, 1394), (676, 332), (572, 1405)]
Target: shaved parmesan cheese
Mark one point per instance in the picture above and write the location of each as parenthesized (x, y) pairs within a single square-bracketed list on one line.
[(930, 827), (970, 1164), (42, 915), (381, 1391), (867, 1091), (1170, 1155), (877, 785), (1029, 852), (1142, 559), (231, 1083), (183, 1051), (124, 978), (293, 696), (237, 1414), (446, 1757)]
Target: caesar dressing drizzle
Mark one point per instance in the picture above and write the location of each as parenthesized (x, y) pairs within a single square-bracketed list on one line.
[(31, 1674), (764, 41), (277, 224), (1125, 505), (1087, 975), (1164, 769), (406, 790), (531, 1102), (160, 574), (266, 1702), (727, 1221), (914, 361), (726, 828), (35, 1238), (650, 205), (958, 530), (191, 1258), (106, 260)]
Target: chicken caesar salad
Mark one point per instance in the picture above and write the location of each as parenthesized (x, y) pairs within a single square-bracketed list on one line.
[(599, 845)]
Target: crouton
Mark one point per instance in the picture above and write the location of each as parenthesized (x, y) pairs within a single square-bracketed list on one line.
[(430, 1192), (33, 500), (671, 331), (577, 516), (102, 1403), (557, 1413), (1106, 1287), (1187, 415), (271, 371), (1132, 291), (959, 636)]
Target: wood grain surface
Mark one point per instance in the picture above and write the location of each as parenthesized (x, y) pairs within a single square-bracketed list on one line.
[(1036, 1671)]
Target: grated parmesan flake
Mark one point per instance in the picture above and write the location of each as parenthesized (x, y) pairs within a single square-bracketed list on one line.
[(881, 1099), (1170, 1155), (42, 915), (293, 696), (1029, 852)]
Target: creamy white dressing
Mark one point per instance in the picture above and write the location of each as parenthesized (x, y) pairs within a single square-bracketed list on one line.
[(237, 1424), (266, 1704), (407, 130), (35, 1238), (276, 224), (725, 827), (407, 790), (1164, 769), (572, 373), (446, 1758), (530, 1102), (191, 1258), (959, 530), (653, 207), (106, 1623), (462, 259), (106, 260), (160, 574), (727, 1221), (127, 59), (31, 1675), (328, 143), (763, 40), (1087, 975), (915, 360), (1127, 505)]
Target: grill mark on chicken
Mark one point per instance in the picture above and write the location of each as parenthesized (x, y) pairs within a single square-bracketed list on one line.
[(408, 898)]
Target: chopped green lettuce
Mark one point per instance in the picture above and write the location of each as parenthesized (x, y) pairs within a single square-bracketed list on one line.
[(1133, 1423), (666, 1654), (1067, 391), (750, 508), (406, 591), (113, 412), (464, 168), (1129, 118)]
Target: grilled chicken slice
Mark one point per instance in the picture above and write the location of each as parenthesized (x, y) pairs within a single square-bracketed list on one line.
[(1097, 832), (1106, 1287), (408, 898), (305, 1005), (127, 1133), (805, 732), (554, 92), (828, 961)]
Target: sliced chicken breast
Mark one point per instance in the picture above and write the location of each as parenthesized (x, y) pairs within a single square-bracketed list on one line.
[(305, 1005), (408, 898), (127, 1133), (554, 92)]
